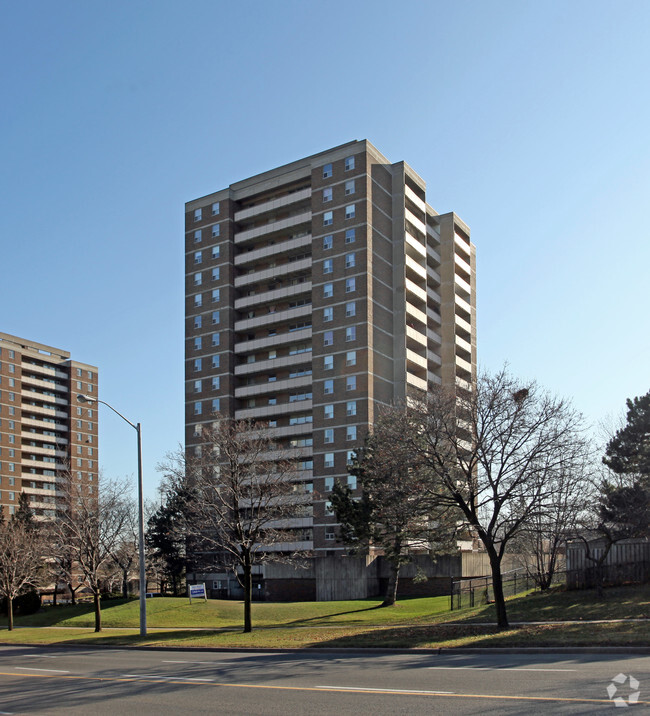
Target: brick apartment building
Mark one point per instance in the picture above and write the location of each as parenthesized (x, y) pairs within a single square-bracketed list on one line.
[(45, 435), (315, 293)]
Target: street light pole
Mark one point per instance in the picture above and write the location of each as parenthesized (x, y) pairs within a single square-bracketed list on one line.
[(143, 577)]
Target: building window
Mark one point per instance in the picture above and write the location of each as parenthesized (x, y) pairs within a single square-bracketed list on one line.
[(329, 435), (351, 358), (198, 279), (350, 309), (198, 300), (328, 362), (328, 266), (198, 257), (215, 317), (215, 339), (198, 386), (216, 230), (198, 408), (328, 218), (198, 320), (327, 242), (350, 211), (351, 333), (198, 214), (197, 236), (350, 236), (12, 467), (328, 290), (328, 412), (328, 314), (328, 459), (349, 163), (351, 408), (350, 285), (327, 171), (351, 382), (328, 387), (351, 432), (216, 403), (352, 481), (329, 484), (197, 365), (216, 295), (197, 343), (329, 510), (349, 261), (216, 252), (328, 338), (216, 273), (330, 533), (215, 361), (349, 187), (327, 194)]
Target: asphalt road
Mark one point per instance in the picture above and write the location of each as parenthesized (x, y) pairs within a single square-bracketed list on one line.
[(35, 680)]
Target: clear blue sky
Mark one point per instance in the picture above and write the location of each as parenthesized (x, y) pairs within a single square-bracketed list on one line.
[(531, 120)]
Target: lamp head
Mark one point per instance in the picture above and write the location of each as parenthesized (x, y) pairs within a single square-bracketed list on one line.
[(85, 399)]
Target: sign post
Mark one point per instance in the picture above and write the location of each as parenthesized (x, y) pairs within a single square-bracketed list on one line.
[(196, 591)]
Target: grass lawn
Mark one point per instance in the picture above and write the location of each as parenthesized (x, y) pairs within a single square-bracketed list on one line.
[(412, 623)]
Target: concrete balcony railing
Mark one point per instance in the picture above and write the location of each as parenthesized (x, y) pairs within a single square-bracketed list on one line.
[(37, 383), (415, 244), (416, 358), (58, 427), (271, 341), (408, 192), (55, 439), (462, 323), (461, 263), (273, 296), (273, 204), (43, 370), (273, 364), (43, 410), (418, 269), (273, 226), (434, 253), (433, 336), (417, 314), (268, 274), (433, 378), (270, 411), (415, 290), (265, 252), (462, 245), (276, 386), (275, 317), (462, 304), (413, 380), (416, 222)]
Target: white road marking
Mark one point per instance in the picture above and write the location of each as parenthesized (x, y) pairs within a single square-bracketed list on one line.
[(29, 668), (496, 668), (161, 677), (38, 656), (211, 663), (383, 691)]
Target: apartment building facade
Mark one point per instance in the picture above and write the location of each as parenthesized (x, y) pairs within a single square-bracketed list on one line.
[(316, 293), (46, 436)]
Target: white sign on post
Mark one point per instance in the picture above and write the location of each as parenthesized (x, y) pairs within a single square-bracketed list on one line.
[(196, 591)]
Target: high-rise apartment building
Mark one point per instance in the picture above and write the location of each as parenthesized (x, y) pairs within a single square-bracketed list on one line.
[(46, 436), (315, 293)]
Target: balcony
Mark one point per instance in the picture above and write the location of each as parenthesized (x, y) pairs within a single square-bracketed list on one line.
[(43, 410), (433, 253), (433, 315), (415, 244), (275, 386), (416, 336), (271, 411), (56, 427), (408, 192), (416, 382), (265, 275), (274, 317), (415, 222), (463, 305), (415, 290), (38, 368), (418, 269), (28, 380), (462, 264), (283, 247), (273, 204), (462, 245), (271, 341), (416, 313), (35, 395), (462, 323), (273, 364), (273, 296), (416, 359), (433, 336), (273, 227)]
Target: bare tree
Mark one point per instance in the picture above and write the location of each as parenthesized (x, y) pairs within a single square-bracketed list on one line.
[(93, 525), (398, 512), (544, 534), (124, 553), (22, 548), (242, 500), (498, 451)]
